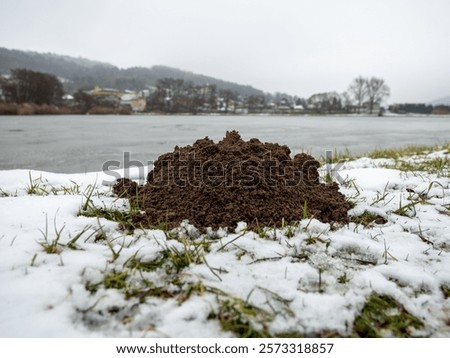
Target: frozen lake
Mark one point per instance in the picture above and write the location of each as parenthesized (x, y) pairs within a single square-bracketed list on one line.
[(72, 144)]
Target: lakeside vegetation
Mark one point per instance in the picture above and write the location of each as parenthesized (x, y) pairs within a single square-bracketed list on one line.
[(25, 109)]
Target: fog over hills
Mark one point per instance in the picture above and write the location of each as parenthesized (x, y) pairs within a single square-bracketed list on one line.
[(81, 73)]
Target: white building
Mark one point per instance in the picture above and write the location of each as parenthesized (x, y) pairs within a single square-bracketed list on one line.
[(134, 100)]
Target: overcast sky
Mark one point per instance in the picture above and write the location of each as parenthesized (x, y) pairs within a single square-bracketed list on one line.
[(296, 46)]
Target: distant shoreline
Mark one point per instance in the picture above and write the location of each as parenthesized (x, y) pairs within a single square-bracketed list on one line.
[(152, 114), (31, 109)]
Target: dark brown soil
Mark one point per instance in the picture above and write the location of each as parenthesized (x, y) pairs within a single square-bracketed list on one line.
[(218, 185)]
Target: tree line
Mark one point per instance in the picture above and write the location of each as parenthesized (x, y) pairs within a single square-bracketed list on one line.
[(364, 95), (178, 96)]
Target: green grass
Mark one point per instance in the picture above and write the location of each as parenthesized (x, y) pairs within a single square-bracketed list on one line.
[(407, 210), (382, 316), (388, 153), (117, 280), (88, 195), (51, 246), (246, 320), (41, 187), (338, 156), (146, 266), (446, 291), (73, 189), (178, 259), (396, 153), (343, 279), (173, 259), (124, 218), (403, 161), (55, 246), (263, 232), (233, 313), (4, 194), (436, 164), (439, 166), (150, 291), (236, 316), (38, 186), (368, 219)]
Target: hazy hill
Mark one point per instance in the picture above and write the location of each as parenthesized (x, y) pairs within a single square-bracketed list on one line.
[(83, 73), (442, 101)]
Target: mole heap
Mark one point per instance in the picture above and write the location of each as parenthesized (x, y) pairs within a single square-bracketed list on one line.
[(220, 184)]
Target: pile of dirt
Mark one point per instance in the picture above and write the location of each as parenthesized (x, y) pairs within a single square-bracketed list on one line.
[(218, 185)]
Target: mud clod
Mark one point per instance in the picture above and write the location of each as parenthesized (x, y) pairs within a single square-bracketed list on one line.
[(220, 184), (125, 188)]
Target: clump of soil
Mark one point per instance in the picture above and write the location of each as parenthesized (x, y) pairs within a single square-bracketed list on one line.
[(220, 184)]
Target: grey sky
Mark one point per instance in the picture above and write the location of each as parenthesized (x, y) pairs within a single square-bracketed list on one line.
[(300, 47)]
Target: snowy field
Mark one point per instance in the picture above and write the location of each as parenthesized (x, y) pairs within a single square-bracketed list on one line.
[(68, 269)]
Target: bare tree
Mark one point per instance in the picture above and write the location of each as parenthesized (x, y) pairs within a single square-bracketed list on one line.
[(358, 91), (228, 96), (347, 101), (377, 91)]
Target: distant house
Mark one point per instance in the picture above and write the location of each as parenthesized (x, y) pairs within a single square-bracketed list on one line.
[(127, 98), (104, 92), (284, 106), (108, 95), (68, 98), (138, 104), (135, 101), (298, 108)]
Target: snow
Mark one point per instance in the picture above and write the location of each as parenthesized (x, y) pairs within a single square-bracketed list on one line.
[(292, 274)]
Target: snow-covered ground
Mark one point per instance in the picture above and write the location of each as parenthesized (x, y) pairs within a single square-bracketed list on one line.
[(63, 274)]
